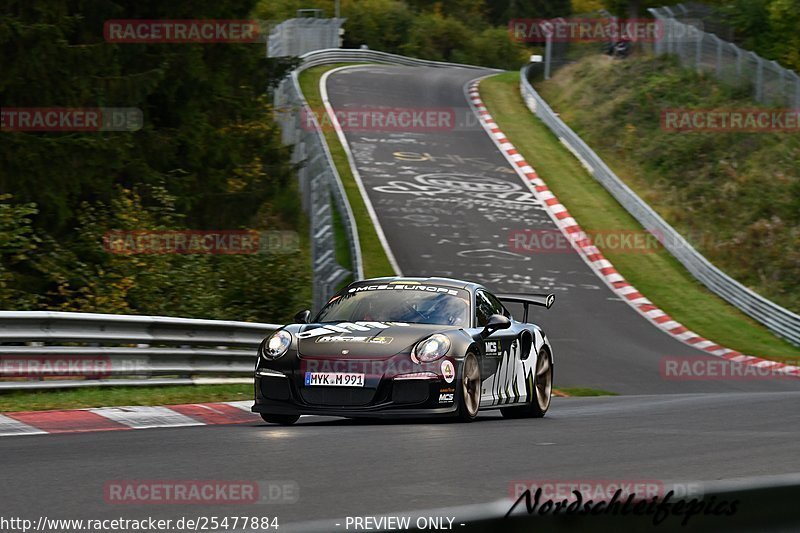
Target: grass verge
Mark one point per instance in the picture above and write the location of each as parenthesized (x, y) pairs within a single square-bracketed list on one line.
[(372, 254), (42, 400), (734, 195), (657, 275)]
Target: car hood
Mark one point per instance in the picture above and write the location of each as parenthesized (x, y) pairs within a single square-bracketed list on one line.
[(369, 340)]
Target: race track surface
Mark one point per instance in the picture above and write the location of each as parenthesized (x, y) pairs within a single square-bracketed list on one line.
[(447, 201), (356, 468)]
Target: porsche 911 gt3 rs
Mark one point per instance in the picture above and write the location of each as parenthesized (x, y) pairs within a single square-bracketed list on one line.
[(407, 347)]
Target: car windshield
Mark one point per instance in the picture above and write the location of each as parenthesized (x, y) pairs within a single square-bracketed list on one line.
[(420, 304)]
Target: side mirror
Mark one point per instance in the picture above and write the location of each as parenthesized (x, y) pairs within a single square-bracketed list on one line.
[(302, 317), (496, 322)]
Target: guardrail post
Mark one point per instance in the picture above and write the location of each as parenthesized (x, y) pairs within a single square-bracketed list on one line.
[(777, 319), (671, 44), (548, 52), (796, 90), (784, 92), (759, 78), (698, 56), (665, 35), (739, 56), (678, 46)]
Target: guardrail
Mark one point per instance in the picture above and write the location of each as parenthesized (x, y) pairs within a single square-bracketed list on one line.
[(779, 320), (145, 350), (321, 189), (295, 37), (320, 183), (101, 350), (770, 82), (128, 350), (337, 55)]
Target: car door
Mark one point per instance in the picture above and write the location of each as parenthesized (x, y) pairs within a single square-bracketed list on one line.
[(498, 361)]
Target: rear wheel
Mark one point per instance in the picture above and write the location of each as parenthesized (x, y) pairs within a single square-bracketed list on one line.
[(542, 390), (470, 394), (284, 420)]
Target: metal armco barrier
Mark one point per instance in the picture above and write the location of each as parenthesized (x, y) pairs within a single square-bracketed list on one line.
[(121, 349), (320, 183), (146, 350), (295, 37), (779, 320), (771, 83)]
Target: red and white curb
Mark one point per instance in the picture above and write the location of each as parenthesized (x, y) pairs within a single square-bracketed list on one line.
[(125, 418), (595, 259)]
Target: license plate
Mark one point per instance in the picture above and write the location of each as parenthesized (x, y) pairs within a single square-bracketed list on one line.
[(334, 379)]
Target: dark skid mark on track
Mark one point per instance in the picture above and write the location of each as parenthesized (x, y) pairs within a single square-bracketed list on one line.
[(365, 468), (472, 200)]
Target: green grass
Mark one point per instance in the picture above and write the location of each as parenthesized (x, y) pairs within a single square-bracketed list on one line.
[(42, 400), (342, 248), (375, 261), (734, 195), (584, 391), (657, 275)]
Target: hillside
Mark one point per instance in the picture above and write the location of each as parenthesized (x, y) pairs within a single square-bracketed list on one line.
[(735, 196)]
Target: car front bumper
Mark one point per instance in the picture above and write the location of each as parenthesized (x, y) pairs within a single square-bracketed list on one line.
[(285, 393)]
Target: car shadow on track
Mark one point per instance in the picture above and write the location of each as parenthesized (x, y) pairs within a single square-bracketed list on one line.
[(322, 421)]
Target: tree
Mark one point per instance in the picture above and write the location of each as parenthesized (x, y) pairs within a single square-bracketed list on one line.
[(380, 24), (209, 144)]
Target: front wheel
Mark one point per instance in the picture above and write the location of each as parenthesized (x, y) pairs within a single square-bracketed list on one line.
[(470, 394), (542, 390), (284, 420)]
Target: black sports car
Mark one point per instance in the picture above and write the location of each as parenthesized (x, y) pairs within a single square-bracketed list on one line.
[(391, 347)]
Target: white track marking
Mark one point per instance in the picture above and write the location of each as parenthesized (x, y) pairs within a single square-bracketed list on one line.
[(531, 180), (9, 426), (323, 90), (244, 405), (146, 417)]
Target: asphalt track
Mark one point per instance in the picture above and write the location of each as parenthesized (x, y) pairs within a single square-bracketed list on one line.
[(351, 468), (674, 431), (425, 187)]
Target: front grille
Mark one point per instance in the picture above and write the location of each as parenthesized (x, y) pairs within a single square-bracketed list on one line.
[(410, 391), (274, 388), (337, 396)]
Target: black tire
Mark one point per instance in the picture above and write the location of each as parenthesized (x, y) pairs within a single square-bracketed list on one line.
[(284, 420), (542, 390), (469, 394)]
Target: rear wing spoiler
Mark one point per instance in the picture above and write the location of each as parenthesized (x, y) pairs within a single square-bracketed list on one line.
[(543, 300)]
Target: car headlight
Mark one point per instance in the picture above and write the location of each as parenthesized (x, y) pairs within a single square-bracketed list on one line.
[(277, 344), (431, 349)]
